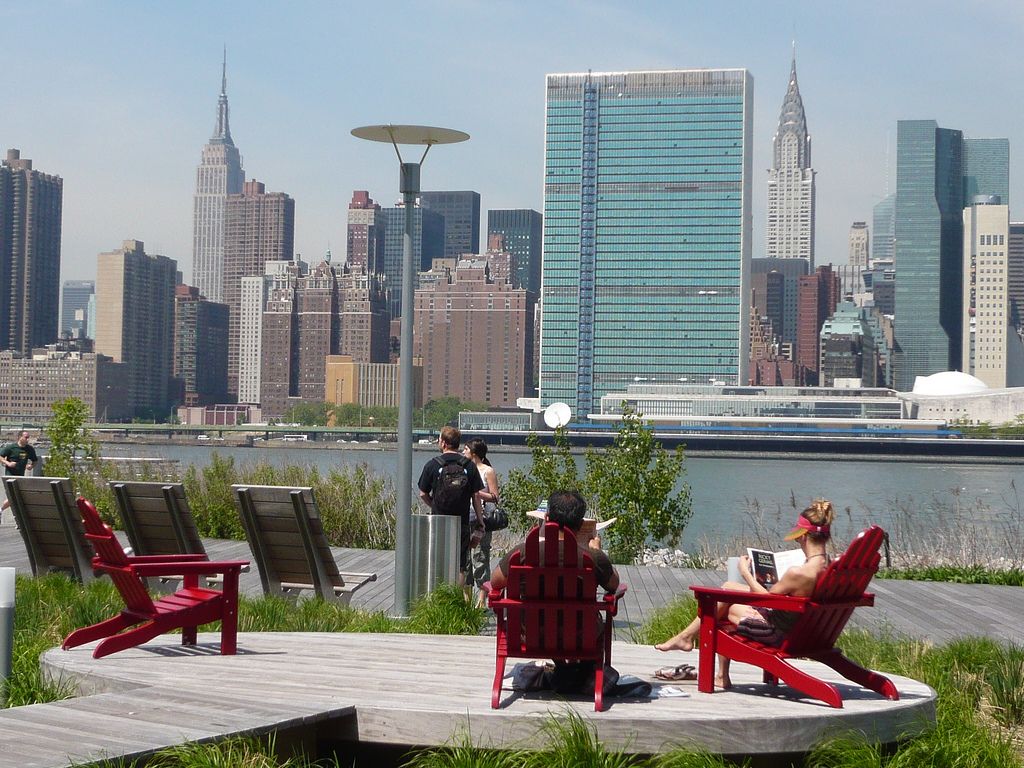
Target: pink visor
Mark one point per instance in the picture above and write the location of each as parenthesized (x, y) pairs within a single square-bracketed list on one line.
[(804, 526)]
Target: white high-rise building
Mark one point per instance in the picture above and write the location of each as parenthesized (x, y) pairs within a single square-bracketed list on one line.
[(859, 254), (219, 174), (254, 293), (791, 183), (991, 347)]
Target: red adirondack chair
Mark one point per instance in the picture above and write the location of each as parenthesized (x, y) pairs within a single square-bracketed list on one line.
[(185, 609), (549, 608), (823, 616)]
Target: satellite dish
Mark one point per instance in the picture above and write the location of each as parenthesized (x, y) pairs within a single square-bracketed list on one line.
[(557, 415)]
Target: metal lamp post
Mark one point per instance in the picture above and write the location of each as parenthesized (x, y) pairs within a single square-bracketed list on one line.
[(409, 184)]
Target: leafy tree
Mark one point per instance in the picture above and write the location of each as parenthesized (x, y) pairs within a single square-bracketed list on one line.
[(553, 469), (445, 410), (68, 437), (634, 481), (308, 414), (355, 415)]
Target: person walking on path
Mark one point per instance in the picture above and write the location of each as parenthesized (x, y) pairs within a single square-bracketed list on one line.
[(17, 457), (449, 485), (476, 451)]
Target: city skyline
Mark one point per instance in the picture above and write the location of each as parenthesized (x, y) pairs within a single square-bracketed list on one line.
[(301, 77)]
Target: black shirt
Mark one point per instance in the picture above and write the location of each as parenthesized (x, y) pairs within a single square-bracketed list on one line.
[(20, 456), (430, 473)]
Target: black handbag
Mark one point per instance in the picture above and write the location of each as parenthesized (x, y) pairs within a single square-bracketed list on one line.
[(495, 518)]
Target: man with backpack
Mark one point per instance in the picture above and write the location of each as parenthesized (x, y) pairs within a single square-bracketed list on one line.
[(449, 483)]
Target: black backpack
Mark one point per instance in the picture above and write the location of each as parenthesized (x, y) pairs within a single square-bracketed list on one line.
[(450, 484)]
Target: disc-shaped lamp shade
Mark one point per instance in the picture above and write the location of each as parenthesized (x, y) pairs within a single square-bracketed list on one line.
[(409, 134)]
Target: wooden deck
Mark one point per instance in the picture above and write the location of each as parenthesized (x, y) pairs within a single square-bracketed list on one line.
[(350, 686)]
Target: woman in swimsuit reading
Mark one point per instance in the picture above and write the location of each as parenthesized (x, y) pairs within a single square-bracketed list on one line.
[(812, 531)]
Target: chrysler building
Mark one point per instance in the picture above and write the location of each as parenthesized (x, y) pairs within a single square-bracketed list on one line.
[(219, 174), (791, 182)]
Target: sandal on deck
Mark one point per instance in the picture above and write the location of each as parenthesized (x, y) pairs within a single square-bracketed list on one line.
[(679, 672)]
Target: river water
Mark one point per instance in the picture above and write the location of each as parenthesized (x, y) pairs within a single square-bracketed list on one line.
[(731, 497)]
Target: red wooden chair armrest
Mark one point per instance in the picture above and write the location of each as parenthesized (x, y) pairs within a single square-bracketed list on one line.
[(142, 559), (769, 600), (181, 569)]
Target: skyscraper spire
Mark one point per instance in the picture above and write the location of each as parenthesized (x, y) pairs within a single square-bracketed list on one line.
[(791, 181), (222, 134), (792, 120)]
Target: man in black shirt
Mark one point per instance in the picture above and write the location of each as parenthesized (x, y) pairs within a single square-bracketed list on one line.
[(17, 457), (449, 484)]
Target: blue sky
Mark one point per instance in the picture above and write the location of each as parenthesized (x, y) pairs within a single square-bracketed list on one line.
[(119, 98)]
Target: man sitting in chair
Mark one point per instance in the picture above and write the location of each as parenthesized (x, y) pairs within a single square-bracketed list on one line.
[(568, 508)]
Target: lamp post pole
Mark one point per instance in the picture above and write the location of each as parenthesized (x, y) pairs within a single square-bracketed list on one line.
[(409, 184), (410, 188)]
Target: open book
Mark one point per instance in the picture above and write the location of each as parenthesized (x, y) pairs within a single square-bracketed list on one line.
[(766, 566)]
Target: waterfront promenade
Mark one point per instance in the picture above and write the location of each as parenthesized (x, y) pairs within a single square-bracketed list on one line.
[(345, 688), (925, 610)]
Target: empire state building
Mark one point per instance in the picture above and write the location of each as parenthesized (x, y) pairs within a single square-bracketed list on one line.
[(791, 183), (219, 174)]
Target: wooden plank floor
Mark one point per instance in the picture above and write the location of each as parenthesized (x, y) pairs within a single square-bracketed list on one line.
[(405, 689), (925, 610)]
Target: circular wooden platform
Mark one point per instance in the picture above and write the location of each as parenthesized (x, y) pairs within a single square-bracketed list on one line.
[(423, 690)]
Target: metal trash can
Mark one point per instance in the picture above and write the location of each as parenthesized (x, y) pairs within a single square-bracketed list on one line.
[(435, 552)]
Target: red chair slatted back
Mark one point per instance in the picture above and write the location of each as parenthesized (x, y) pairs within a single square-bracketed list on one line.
[(845, 579), (111, 559), (556, 584)]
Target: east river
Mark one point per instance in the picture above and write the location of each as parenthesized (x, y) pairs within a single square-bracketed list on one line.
[(731, 496)]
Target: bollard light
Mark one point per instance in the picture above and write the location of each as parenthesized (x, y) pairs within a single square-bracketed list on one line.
[(7, 583)]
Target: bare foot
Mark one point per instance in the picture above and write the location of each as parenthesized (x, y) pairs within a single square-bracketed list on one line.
[(723, 682), (677, 643)]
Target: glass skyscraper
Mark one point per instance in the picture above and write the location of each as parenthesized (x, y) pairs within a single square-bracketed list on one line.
[(522, 230), (986, 169), (883, 228), (646, 231), (929, 250)]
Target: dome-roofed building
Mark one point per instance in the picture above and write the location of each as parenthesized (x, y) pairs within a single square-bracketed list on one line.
[(948, 384), (957, 396)]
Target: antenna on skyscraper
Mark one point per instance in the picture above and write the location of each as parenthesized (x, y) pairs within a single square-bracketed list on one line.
[(887, 163)]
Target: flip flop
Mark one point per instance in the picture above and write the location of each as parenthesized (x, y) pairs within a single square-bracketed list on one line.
[(680, 672)]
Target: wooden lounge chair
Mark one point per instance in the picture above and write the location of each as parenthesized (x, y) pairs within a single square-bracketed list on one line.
[(44, 508), (840, 588), (549, 608), (157, 518), (288, 543), (185, 609)]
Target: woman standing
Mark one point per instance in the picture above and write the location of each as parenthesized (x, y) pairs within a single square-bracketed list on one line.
[(476, 450)]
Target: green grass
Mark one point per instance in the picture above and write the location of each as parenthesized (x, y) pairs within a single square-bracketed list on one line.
[(239, 752), (665, 622), (974, 574)]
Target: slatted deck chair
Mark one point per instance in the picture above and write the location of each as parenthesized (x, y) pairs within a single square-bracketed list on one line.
[(44, 508), (548, 609), (143, 618), (157, 518), (840, 588), (158, 521), (288, 543)]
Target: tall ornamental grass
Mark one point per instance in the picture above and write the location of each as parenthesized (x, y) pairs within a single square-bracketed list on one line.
[(357, 508)]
